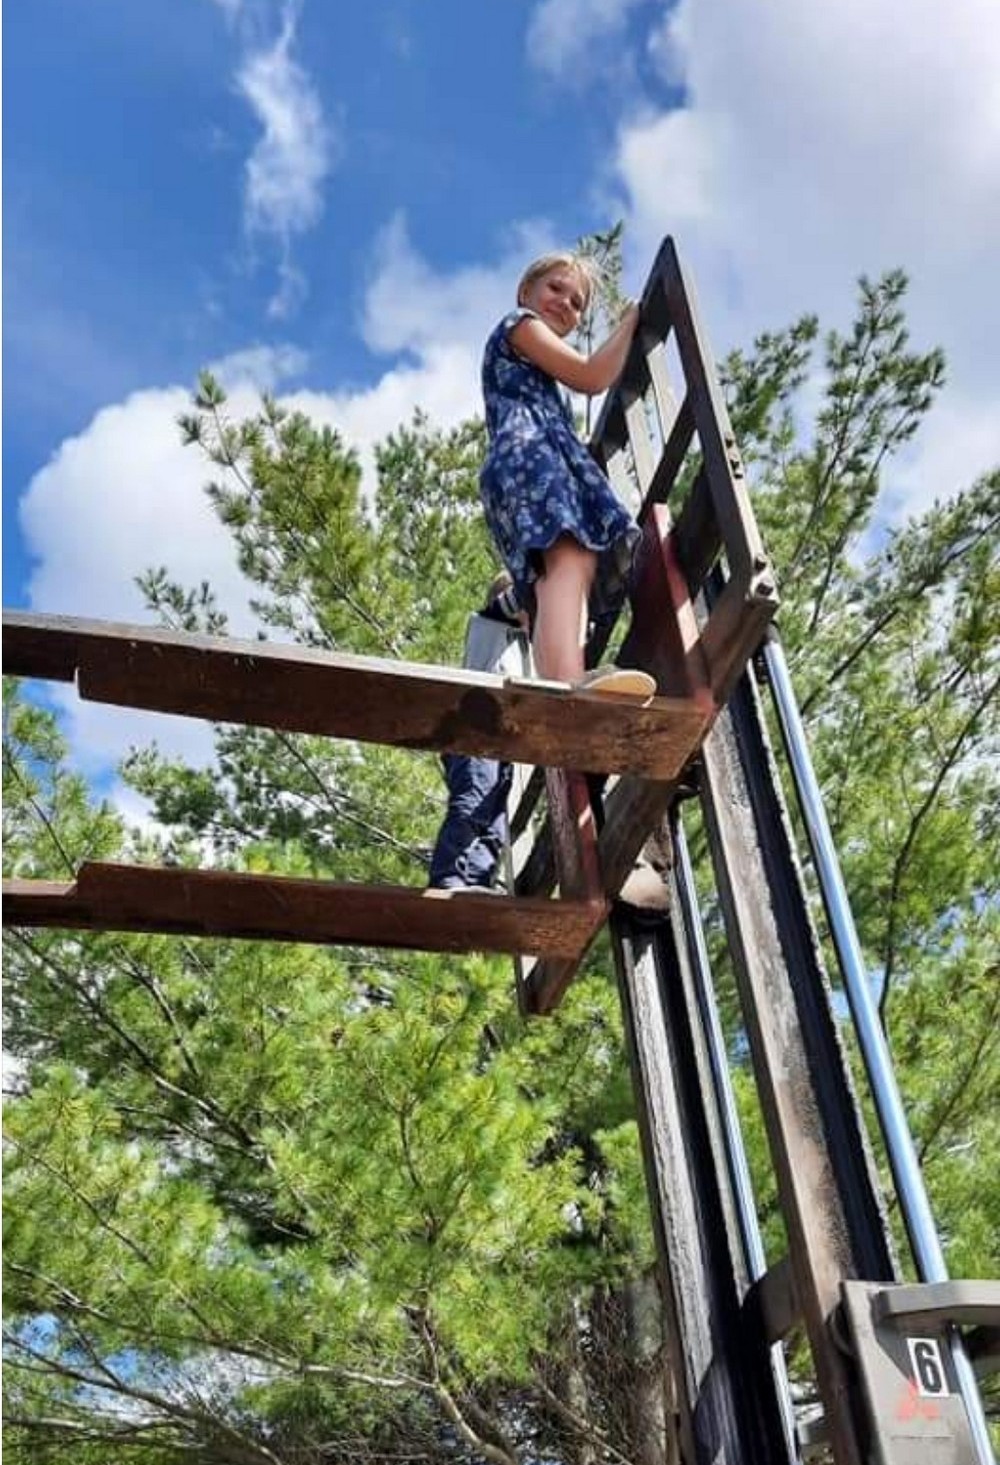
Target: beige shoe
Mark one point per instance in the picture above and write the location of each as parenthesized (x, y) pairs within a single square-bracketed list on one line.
[(618, 681), (645, 888)]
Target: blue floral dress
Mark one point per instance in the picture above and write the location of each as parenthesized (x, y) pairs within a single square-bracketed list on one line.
[(539, 481)]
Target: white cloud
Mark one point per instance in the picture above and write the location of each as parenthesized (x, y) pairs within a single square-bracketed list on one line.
[(568, 35), (100, 736), (959, 442), (291, 292), (438, 322), (409, 307), (819, 142), (676, 155), (260, 367), (115, 499), (285, 173), (434, 324), (124, 494)]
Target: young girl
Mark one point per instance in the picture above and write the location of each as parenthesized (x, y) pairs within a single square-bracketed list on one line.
[(563, 535)]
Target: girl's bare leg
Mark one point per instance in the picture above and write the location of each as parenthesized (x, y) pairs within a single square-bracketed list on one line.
[(561, 617)]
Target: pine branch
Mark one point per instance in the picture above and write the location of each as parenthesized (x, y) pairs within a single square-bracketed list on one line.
[(583, 1427), (962, 1082), (916, 823), (450, 1406)]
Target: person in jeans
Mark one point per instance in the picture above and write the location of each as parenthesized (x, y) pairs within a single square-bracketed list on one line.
[(470, 843)]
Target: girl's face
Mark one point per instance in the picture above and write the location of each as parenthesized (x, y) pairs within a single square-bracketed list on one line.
[(559, 297)]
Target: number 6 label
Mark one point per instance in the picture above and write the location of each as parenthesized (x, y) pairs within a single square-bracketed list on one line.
[(928, 1367)]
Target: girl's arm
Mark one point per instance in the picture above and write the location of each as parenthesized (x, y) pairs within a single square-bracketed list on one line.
[(540, 345)]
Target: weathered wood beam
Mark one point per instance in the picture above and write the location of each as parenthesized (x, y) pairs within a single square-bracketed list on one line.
[(633, 810), (675, 449), (573, 834), (803, 1082), (664, 640), (664, 396), (224, 903), (727, 1407), (720, 454), (402, 704), (643, 457), (696, 532), (735, 628)]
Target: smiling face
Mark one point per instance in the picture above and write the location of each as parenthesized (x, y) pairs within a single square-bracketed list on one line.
[(559, 297)]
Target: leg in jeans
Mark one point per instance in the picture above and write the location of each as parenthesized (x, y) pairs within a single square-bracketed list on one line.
[(472, 835)]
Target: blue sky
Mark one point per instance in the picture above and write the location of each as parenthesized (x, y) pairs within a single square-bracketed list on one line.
[(136, 247), (336, 200)]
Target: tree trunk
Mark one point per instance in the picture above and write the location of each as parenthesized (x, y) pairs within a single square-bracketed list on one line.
[(630, 1370), (651, 1405)]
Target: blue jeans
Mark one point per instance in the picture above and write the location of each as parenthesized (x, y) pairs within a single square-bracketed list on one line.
[(472, 835)]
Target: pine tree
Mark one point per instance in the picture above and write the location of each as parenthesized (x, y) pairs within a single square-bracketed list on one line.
[(287, 1204)]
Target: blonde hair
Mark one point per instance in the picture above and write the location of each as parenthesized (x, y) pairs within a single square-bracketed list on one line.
[(584, 266)]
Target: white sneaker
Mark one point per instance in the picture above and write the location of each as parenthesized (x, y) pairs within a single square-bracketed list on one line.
[(465, 890)]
